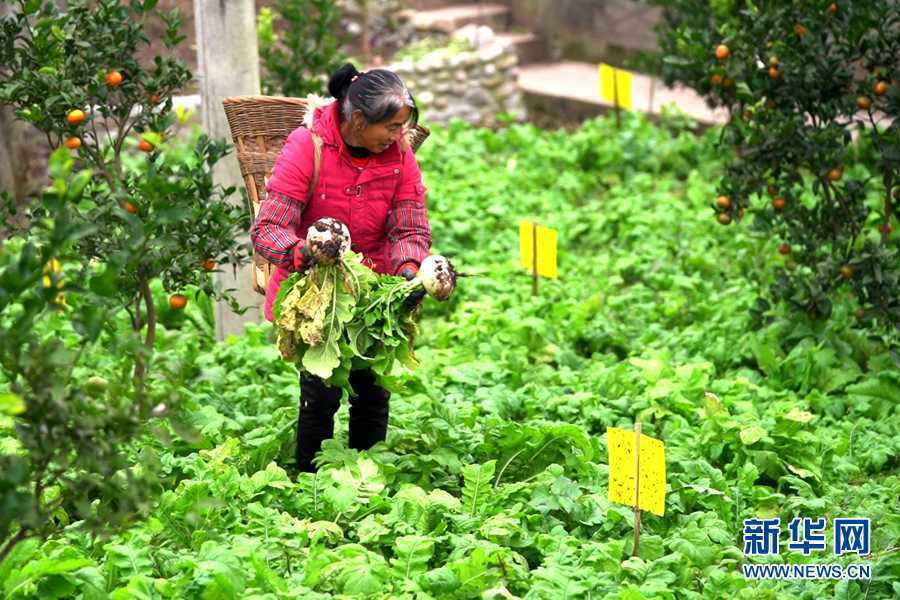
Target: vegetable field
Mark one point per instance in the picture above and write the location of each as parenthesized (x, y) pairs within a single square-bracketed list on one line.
[(493, 480)]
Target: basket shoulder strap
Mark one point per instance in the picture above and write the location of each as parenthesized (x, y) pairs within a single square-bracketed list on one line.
[(317, 165)]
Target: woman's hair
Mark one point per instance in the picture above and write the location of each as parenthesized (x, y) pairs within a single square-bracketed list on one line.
[(378, 94)]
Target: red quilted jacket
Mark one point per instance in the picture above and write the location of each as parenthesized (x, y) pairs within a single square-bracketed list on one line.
[(383, 203)]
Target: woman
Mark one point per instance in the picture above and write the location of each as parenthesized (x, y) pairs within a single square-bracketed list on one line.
[(369, 180)]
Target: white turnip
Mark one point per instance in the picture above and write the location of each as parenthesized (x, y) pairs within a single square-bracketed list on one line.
[(328, 240), (438, 277)]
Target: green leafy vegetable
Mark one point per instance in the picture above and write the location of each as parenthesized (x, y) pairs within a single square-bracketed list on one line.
[(336, 318)]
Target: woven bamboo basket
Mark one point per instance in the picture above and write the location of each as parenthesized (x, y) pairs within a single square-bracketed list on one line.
[(259, 127)]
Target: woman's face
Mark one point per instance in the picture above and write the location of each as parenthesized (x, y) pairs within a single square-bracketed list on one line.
[(376, 137)]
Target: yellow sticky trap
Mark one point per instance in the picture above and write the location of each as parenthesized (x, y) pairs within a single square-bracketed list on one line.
[(620, 444), (616, 82), (547, 240)]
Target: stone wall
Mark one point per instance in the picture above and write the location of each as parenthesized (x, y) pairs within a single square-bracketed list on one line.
[(474, 85)]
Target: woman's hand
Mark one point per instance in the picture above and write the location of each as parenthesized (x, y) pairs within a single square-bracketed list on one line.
[(408, 272), (302, 257)]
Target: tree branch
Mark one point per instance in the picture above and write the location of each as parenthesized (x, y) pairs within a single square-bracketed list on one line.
[(11, 543)]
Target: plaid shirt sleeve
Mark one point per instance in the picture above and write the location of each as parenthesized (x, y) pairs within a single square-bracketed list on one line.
[(408, 231), (274, 231)]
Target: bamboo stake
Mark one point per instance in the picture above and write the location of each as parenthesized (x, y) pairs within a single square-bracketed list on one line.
[(615, 74), (637, 488), (534, 260)]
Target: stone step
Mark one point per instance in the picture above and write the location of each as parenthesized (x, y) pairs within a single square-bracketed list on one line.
[(530, 48), (573, 88), (450, 18)]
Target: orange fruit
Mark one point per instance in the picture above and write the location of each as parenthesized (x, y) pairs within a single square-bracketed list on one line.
[(208, 265), (130, 207), (178, 301), (75, 116), (114, 79), (73, 143), (885, 228), (774, 73), (145, 146), (784, 248), (716, 79), (833, 8), (154, 99), (723, 202), (728, 83), (881, 88), (724, 218), (864, 102), (722, 52), (847, 272), (799, 30), (779, 203), (835, 174)]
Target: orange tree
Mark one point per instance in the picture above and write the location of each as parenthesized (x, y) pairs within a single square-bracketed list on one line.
[(77, 77), (127, 206), (812, 94), (65, 434)]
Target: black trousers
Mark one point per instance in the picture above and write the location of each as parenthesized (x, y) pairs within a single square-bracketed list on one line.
[(319, 402)]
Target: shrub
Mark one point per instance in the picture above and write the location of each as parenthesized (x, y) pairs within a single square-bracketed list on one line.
[(298, 60)]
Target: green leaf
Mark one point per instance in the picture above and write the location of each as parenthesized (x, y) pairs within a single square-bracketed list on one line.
[(477, 486), (273, 477), (354, 484), (11, 404), (355, 570), (105, 282), (751, 435), (77, 185), (21, 552), (440, 582), (129, 559), (323, 359), (412, 553), (41, 568), (884, 387), (800, 416), (139, 587), (675, 60), (766, 356), (652, 368)]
